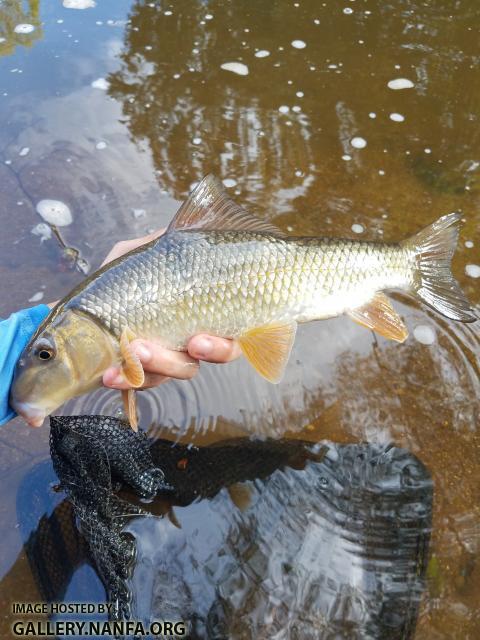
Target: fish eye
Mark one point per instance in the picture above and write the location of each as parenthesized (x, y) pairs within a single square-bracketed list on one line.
[(45, 354), (44, 351)]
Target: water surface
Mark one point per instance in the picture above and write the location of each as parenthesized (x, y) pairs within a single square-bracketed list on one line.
[(117, 110)]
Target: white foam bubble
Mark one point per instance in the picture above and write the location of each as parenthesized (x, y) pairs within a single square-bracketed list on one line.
[(263, 53), (298, 44), (473, 270), (372, 115), (469, 244), (43, 230), (101, 145), (55, 212), (101, 83), (229, 182), (283, 108), (425, 334), (36, 296), (197, 141), (347, 10), (167, 13), (296, 108), (400, 83), (209, 16), (24, 28), (358, 228), (427, 150), (79, 4), (24, 151), (346, 157), (358, 142), (299, 94), (235, 67), (397, 117)]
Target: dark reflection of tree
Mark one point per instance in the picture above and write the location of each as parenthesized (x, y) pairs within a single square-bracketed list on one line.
[(173, 91), (12, 13)]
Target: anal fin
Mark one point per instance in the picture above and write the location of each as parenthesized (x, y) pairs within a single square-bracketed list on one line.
[(268, 348), (381, 317), (132, 367)]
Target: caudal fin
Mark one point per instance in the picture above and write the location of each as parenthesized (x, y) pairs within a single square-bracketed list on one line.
[(434, 283)]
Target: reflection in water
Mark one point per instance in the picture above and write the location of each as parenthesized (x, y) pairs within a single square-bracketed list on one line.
[(19, 24), (326, 540), (266, 130)]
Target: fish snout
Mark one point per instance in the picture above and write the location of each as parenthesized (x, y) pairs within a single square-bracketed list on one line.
[(33, 415)]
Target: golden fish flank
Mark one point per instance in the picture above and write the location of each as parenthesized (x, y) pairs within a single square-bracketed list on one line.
[(220, 270)]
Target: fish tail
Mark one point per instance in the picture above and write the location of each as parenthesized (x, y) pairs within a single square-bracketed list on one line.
[(433, 248)]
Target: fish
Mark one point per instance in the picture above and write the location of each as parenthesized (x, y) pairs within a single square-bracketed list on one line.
[(219, 269)]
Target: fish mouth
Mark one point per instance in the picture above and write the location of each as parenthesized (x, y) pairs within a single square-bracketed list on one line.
[(34, 416)]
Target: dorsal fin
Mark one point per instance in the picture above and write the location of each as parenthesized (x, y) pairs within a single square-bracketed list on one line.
[(209, 207)]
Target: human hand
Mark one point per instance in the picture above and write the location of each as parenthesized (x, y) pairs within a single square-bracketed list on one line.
[(159, 363)]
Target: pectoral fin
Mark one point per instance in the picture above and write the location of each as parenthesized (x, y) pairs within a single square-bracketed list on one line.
[(381, 317), (268, 348), (133, 372), (132, 367), (129, 398)]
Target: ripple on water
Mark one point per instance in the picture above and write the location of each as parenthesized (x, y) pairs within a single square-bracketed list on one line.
[(348, 532)]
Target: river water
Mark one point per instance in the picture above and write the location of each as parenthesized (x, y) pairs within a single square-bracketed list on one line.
[(354, 119)]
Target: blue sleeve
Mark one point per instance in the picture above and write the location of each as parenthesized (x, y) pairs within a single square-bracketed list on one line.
[(15, 332)]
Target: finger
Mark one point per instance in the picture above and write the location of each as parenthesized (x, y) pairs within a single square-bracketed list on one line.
[(213, 349), (156, 361), (166, 362), (124, 246), (114, 379)]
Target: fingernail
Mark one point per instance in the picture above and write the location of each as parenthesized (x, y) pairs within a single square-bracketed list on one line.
[(143, 352), (203, 347)]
